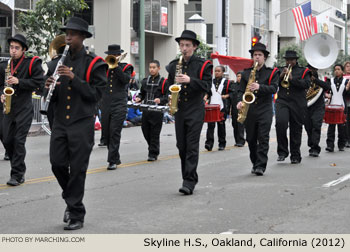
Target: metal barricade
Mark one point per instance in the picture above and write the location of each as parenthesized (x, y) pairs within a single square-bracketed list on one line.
[(38, 118)]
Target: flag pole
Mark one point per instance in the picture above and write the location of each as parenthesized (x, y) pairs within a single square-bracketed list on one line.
[(291, 8)]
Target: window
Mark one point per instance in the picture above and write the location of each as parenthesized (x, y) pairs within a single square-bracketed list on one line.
[(156, 15), (261, 20), (337, 36), (209, 33), (193, 7)]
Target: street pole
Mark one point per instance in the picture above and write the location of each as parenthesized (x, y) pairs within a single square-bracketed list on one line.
[(142, 40), (346, 35)]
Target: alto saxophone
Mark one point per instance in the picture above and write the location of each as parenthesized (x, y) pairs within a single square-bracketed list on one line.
[(175, 89), (248, 96), (8, 90)]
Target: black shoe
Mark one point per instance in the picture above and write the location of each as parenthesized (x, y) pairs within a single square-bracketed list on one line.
[(208, 147), (66, 216), (118, 162), (329, 149), (15, 182), (74, 225), (221, 148), (239, 145), (151, 159), (112, 166), (341, 148), (347, 145), (252, 171), (259, 172), (185, 190), (102, 144), (6, 156), (295, 161), (313, 154), (281, 158)]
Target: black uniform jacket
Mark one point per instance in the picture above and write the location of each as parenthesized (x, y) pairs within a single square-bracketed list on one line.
[(192, 94), (28, 83), (76, 99), (154, 85), (295, 95), (268, 81), (226, 90), (116, 94)]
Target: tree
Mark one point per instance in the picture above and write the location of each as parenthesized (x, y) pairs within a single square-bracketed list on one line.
[(42, 24), (203, 49), (281, 61)]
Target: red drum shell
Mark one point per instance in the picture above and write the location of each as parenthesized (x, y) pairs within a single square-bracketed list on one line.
[(334, 114), (212, 113)]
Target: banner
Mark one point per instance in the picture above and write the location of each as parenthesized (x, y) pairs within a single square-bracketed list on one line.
[(322, 21)]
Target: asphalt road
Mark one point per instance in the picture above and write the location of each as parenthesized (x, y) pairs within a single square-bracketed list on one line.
[(142, 197)]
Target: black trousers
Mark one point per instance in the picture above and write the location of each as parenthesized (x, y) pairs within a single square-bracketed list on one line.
[(16, 126), (112, 125), (341, 135), (285, 116), (238, 128), (152, 123), (348, 125), (70, 149), (258, 126), (313, 125), (1, 126), (188, 129), (221, 133)]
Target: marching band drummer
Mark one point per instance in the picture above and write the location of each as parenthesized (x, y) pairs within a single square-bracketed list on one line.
[(315, 112), (153, 92), (80, 86), (195, 81), (259, 116), (25, 76), (291, 106), (339, 88), (114, 105)]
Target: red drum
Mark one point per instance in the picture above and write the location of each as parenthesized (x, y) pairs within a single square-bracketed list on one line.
[(334, 114), (212, 113)]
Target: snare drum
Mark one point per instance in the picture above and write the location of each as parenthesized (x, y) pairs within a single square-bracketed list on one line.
[(212, 113), (334, 114)]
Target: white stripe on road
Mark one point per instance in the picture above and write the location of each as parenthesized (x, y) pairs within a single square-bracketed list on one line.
[(337, 181)]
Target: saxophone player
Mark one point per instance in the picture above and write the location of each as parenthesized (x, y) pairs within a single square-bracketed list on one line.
[(195, 81), (315, 111), (259, 117), (25, 76), (291, 106)]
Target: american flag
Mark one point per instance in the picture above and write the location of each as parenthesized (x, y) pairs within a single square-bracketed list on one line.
[(303, 20)]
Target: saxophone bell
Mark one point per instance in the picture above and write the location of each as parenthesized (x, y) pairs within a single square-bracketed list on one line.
[(175, 90)]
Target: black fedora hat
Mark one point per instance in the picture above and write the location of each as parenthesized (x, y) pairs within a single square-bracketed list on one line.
[(290, 54), (188, 34), (20, 39), (259, 47), (114, 49), (77, 24)]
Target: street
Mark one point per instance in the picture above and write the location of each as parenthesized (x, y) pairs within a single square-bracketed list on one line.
[(141, 197)]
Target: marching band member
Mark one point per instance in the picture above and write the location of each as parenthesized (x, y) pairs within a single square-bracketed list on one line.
[(153, 92), (114, 106), (291, 106), (195, 81), (347, 98), (25, 76), (259, 116), (218, 94), (339, 88), (80, 86), (315, 113)]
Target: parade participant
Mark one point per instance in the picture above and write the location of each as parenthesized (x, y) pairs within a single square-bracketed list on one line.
[(259, 116), (339, 88), (347, 98), (238, 128), (114, 106), (291, 107), (80, 86), (6, 155), (315, 112), (25, 75), (218, 94), (153, 92), (195, 81)]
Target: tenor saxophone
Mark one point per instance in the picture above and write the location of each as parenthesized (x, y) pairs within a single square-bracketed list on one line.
[(175, 89), (248, 96), (8, 90)]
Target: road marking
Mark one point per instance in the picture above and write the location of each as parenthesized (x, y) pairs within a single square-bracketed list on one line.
[(337, 181), (104, 169)]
